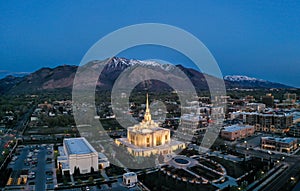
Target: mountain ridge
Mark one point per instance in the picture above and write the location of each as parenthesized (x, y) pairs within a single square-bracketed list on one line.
[(62, 77)]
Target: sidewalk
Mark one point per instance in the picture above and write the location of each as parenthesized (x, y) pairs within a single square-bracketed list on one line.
[(104, 174), (231, 181)]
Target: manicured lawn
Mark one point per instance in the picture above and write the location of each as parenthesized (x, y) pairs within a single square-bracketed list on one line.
[(210, 165), (204, 173), (160, 182), (182, 173), (234, 170)]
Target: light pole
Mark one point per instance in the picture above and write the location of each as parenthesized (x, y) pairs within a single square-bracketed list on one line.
[(246, 147)]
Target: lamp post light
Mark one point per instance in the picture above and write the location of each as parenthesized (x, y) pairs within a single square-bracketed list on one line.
[(245, 142), (246, 147), (292, 178)]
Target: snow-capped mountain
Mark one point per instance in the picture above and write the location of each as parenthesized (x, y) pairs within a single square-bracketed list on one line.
[(61, 78), (124, 63), (238, 78), (240, 81)]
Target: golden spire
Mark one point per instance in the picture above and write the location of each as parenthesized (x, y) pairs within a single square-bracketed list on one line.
[(147, 103), (147, 116)]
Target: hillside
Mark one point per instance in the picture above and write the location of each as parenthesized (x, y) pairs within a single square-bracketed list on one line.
[(61, 78)]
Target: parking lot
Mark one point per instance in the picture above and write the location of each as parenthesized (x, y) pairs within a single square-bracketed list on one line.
[(37, 164)]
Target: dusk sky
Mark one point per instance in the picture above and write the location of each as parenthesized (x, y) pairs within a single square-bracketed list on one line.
[(255, 38)]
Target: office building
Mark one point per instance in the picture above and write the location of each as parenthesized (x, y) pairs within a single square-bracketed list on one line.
[(235, 132), (268, 99), (285, 145)]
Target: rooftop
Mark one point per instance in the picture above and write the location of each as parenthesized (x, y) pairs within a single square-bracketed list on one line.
[(281, 140), (260, 104), (78, 146), (191, 117), (102, 156), (129, 174), (126, 143), (234, 128), (264, 114), (145, 129)]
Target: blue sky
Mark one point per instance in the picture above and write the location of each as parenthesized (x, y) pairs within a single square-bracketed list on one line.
[(255, 38)]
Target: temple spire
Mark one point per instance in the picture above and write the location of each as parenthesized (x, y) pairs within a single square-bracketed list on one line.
[(147, 116), (147, 103)]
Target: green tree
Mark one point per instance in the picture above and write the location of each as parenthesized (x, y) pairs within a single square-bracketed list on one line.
[(91, 180), (79, 181)]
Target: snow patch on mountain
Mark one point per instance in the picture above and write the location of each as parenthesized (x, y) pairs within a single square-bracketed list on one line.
[(239, 78), (124, 63)]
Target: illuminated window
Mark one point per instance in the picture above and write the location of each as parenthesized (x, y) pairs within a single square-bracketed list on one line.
[(148, 142), (158, 140)]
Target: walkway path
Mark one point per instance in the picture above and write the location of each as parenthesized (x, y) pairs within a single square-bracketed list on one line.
[(104, 174)]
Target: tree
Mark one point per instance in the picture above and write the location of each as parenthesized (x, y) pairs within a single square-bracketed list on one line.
[(65, 182), (91, 180), (76, 171), (79, 181), (161, 158)]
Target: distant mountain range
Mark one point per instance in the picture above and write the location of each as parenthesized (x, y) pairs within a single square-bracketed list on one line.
[(61, 78), (238, 81)]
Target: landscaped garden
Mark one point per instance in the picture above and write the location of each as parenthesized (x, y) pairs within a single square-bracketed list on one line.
[(233, 169), (158, 181), (207, 174), (210, 164)]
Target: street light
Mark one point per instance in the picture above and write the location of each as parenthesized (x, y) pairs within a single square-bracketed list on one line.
[(245, 142), (292, 178)]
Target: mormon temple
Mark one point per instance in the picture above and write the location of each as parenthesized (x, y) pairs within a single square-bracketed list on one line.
[(148, 138)]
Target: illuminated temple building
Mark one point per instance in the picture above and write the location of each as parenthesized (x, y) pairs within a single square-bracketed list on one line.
[(148, 138)]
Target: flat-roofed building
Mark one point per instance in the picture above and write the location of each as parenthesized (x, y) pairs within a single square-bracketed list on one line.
[(250, 118), (256, 106), (268, 122), (130, 179), (290, 98), (235, 132), (190, 125), (277, 123), (77, 153), (295, 130), (296, 117), (268, 99), (286, 144)]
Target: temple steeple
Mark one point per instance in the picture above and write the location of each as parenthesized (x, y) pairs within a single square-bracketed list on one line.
[(147, 116)]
